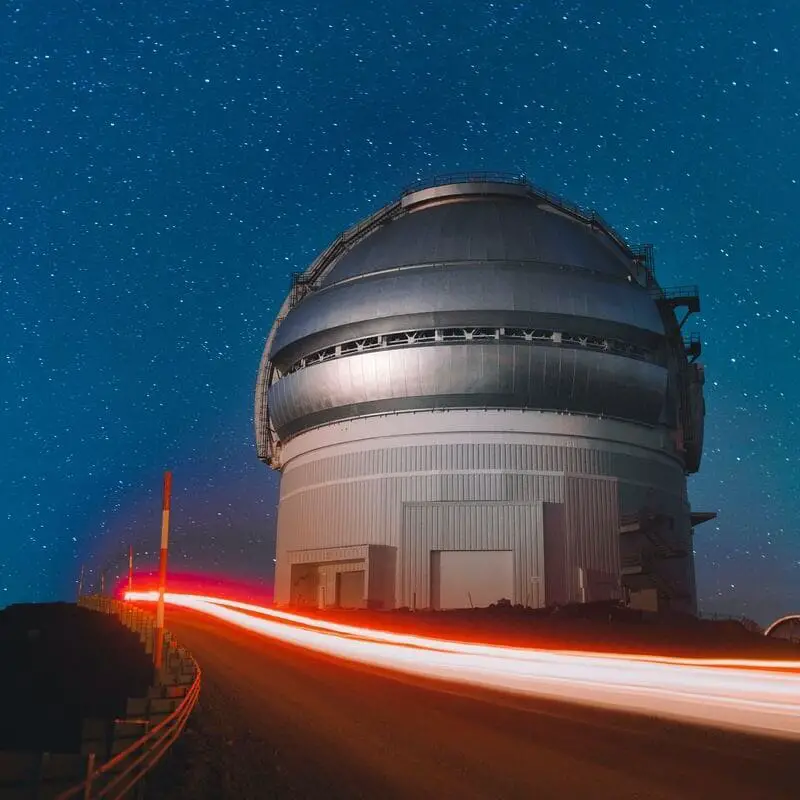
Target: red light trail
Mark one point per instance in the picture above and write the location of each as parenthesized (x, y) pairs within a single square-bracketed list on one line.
[(755, 696)]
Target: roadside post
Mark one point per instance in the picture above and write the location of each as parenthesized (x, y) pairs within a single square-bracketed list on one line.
[(158, 650)]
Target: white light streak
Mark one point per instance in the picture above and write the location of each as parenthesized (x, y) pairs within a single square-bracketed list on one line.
[(755, 696)]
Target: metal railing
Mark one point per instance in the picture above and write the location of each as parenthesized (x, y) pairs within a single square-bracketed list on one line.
[(675, 292), (116, 777), (471, 334), (514, 178)]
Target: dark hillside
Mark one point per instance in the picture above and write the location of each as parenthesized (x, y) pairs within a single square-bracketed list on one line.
[(60, 664)]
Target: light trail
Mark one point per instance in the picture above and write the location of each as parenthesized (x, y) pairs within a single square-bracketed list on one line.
[(752, 696), (499, 651)]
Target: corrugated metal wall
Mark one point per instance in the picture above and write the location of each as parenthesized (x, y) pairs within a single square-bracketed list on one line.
[(470, 526), (556, 553), (381, 576), (378, 562), (321, 555), (592, 512), (473, 457), (339, 499)]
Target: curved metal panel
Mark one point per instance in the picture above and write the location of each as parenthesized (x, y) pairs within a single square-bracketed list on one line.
[(789, 619), (522, 293), (515, 186), (493, 229), (472, 253), (696, 415), (476, 375), (325, 460), (423, 337)]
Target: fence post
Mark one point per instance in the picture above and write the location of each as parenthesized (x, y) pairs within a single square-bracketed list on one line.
[(87, 791), (41, 773), (162, 569), (141, 783)]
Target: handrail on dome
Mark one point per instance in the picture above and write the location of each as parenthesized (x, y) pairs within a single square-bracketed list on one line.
[(465, 177), (589, 217), (341, 243)]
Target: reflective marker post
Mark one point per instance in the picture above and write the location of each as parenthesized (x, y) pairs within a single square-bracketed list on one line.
[(162, 571)]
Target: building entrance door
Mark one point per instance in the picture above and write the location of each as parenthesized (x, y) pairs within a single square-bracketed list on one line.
[(471, 578), (350, 589)]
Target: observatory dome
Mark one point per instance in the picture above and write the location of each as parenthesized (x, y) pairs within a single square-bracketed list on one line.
[(481, 392), (550, 303)]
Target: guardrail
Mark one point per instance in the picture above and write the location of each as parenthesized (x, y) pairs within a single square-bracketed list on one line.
[(116, 777), (465, 177)]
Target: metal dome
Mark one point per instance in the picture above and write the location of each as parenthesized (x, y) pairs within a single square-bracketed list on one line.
[(472, 292), (480, 392), (495, 227)]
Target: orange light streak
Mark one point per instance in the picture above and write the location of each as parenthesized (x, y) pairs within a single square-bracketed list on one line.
[(757, 696)]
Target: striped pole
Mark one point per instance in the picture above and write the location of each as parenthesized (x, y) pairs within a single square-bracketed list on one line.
[(130, 568), (162, 570)]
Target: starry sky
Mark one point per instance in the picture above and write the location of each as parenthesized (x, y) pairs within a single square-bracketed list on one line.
[(165, 167)]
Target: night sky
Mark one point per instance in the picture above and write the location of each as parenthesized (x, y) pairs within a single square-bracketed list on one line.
[(165, 167)]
